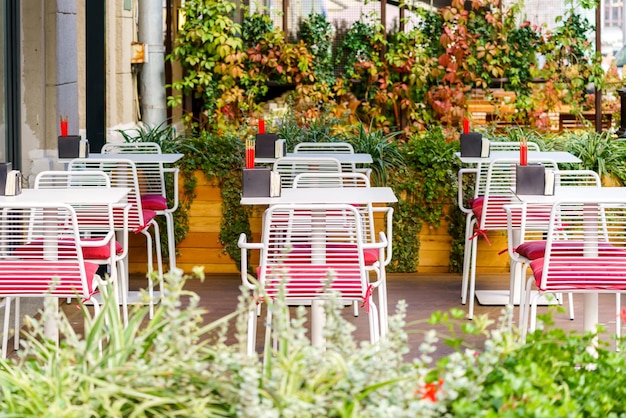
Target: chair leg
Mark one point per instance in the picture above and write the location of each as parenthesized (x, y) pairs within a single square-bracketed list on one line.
[(526, 308), (159, 261), (383, 303), (251, 343), (5, 332), (373, 323), (570, 305), (472, 282), (469, 224), (618, 318), (171, 239), (17, 326)]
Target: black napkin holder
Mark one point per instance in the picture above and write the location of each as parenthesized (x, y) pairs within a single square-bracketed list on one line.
[(5, 169), (265, 145), (73, 146), (530, 179), (471, 144), (255, 182)]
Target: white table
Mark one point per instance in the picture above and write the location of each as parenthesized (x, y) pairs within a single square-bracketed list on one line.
[(165, 158), (584, 195), (355, 158), (330, 195), (348, 195), (556, 156), (70, 196)]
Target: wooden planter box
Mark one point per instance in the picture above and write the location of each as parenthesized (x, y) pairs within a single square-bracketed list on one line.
[(202, 246)]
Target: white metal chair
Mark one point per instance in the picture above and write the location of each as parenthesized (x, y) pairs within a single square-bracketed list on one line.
[(478, 175), (329, 148), (324, 147), (123, 173), (301, 248), (488, 213), (367, 211), (42, 255), (585, 252), (532, 243), (91, 181), (152, 184), (290, 167)]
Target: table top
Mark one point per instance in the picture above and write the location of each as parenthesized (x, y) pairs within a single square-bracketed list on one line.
[(332, 195), (71, 196), (579, 194), (165, 158), (556, 156), (356, 158)]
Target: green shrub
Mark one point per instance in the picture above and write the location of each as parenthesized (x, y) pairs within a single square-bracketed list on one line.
[(173, 365)]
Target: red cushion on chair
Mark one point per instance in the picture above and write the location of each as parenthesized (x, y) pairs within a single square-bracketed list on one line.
[(148, 215), (494, 201), (153, 202), (533, 250), (90, 253)]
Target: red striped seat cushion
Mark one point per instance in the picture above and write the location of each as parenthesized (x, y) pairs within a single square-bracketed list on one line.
[(334, 252), (596, 273), (37, 277), (308, 280)]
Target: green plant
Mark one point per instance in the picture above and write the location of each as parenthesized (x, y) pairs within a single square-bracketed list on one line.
[(384, 149), (426, 189), (602, 153), (176, 365), (207, 36), (317, 33)]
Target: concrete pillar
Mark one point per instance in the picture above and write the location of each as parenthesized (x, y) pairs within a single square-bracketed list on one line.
[(153, 101)]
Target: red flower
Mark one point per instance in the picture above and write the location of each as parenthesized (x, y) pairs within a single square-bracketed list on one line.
[(430, 390)]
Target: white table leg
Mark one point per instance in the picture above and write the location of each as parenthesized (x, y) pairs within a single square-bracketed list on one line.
[(318, 249)]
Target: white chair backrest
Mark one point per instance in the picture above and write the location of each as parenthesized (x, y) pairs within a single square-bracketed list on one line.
[(324, 147), (150, 174), (314, 180), (577, 178), (93, 220), (122, 173), (306, 244), (131, 148), (53, 179), (327, 148), (511, 146), (499, 190), (41, 252), (290, 167)]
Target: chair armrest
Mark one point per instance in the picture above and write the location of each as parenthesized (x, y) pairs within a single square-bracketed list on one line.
[(460, 175), (510, 209), (245, 246), (366, 171), (174, 171), (388, 230)]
